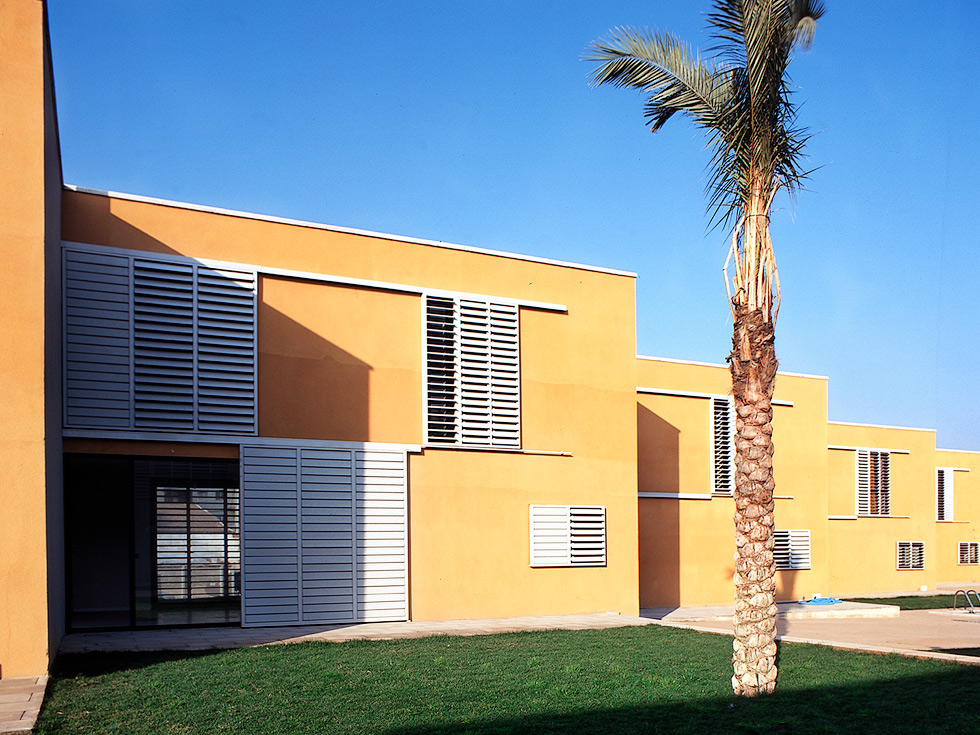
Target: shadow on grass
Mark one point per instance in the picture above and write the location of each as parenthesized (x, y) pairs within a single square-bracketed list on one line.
[(621, 682), (941, 703)]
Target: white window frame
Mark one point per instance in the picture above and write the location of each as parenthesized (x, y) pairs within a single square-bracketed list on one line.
[(792, 548), (866, 463), (968, 551), (472, 372), (910, 555), (722, 419), (567, 535)]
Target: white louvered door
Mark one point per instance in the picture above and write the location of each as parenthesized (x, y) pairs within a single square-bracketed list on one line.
[(324, 534)]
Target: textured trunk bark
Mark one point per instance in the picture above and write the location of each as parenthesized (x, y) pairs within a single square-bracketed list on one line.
[(753, 367)]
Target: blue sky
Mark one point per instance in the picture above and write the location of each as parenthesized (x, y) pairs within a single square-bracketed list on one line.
[(473, 122)]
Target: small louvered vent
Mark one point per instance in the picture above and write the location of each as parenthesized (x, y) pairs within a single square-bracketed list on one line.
[(723, 446), (969, 552), (472, 372), (911, 555), (792, 550), (568, 535)]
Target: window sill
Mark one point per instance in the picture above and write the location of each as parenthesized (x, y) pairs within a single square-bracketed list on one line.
[(884, 516)]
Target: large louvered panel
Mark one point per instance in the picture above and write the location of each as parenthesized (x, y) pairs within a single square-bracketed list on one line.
[(382, 535), (225, 350), (272, 576), (337, 517), (97, 341), (472, 372), (163, 338), (327, 553), (722, 446)]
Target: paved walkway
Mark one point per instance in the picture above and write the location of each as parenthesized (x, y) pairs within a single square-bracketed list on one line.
[(20, 702), (936, 634)]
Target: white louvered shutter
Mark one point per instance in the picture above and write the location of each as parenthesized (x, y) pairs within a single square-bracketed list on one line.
[(873, 476), (722, 446), (345, 546), (158, 345), (863, 478), (163, 339), (563, 535), (226, 350), (944, 494), (271, 575), (472, 372), (97, 349), (792, 549)]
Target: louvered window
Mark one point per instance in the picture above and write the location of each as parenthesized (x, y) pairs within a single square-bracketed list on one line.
[(472, 372), (158, 345), (568, 535), (792, 550), (911, 555), (944, 494), (722, 446), (873, 483), (969, 552)]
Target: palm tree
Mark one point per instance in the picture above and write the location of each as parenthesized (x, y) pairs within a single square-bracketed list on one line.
[(742, 100)]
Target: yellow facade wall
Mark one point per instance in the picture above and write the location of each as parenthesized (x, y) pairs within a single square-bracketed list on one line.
[(862, 551), (965, 524), (687, 543), (345, 363), (29, 185)]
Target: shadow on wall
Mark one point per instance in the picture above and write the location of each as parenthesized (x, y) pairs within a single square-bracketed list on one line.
[(658, 470), (308, 386)]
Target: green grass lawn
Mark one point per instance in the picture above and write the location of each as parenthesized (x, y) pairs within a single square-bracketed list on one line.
[(914, 602), (628, 680)]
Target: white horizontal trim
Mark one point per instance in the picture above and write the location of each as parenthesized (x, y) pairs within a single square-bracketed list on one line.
[(964, 522), (960, 451), (954, 469), (682, 362), (236, 439), (316, 277), (695, 394), (847, 448), (499, 450), (842, 518), (677, 496), (347, 230), (678, 393), (723, 366), (879, 426)]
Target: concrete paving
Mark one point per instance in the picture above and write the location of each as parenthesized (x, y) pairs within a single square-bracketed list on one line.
[(937, 634)]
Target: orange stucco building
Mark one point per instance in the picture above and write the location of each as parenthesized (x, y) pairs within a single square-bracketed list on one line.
[(217, 417)]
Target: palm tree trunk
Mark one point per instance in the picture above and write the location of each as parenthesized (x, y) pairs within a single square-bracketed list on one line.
[(753, 366)]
